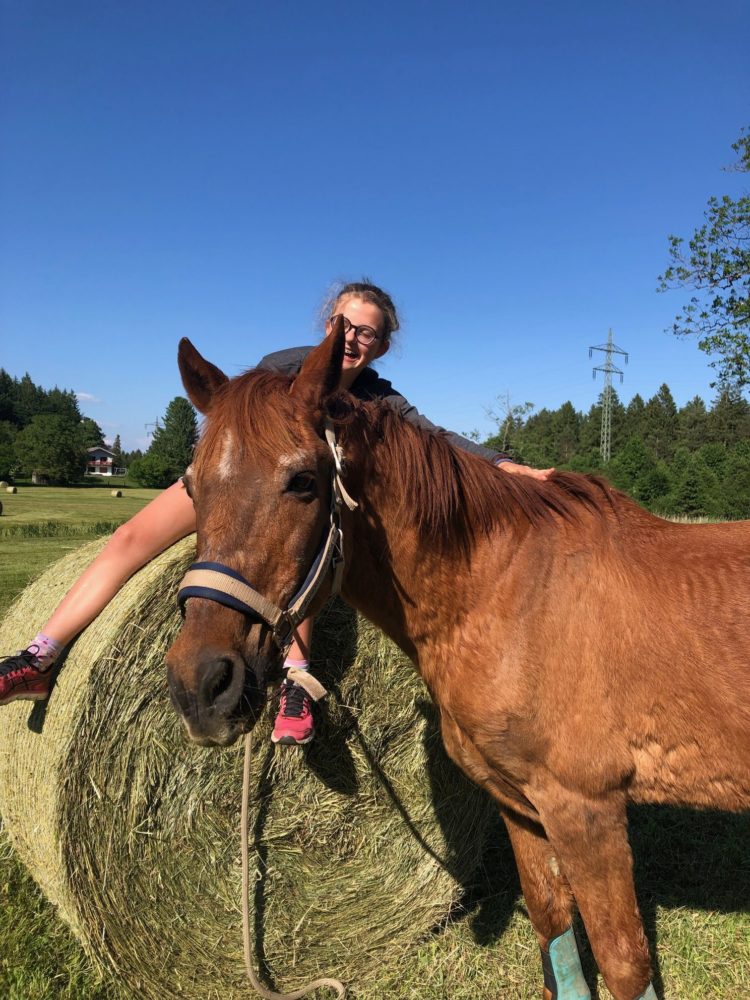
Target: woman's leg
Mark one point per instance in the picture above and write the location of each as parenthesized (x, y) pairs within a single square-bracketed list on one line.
[(160, 524), (300, 647), (165, 520), (294, 722)]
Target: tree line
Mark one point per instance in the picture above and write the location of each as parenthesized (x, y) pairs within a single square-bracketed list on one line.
[(42, 431), (44, 436), (692, 460)]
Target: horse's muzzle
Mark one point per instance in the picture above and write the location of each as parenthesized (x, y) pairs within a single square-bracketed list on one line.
[(219, 696)]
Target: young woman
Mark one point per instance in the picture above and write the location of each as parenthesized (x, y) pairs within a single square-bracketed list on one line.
[(370, 320)]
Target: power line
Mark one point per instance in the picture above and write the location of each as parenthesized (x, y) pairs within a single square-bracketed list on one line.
[(609, 369)]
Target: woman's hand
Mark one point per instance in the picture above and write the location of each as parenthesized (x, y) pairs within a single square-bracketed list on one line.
[(514, 469)]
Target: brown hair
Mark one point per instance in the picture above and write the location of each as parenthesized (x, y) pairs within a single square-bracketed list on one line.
[(368, 292)]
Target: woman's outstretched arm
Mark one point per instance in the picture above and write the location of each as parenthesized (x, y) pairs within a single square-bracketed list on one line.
[(165, 520)]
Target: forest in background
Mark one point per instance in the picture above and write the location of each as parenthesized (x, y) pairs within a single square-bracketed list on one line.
[(692, 460), (45, 437)]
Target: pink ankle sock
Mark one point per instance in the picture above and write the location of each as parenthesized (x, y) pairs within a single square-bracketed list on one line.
[(298, 664), (45, 649)]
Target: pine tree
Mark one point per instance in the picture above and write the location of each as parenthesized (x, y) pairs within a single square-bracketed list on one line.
[(630, 462), (660, 423), (117, 457), (8, 434), (566, 429), (729, 419), (692, 424), (29, 400), (633, 420), (175, 439), (736, 482), (698, 491), (8, 398)]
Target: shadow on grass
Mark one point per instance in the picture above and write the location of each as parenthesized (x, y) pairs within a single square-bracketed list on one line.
[(684, 859)]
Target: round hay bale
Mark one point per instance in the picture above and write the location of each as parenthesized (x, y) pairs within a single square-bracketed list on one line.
[(4, 484), (11, 489), (116, 493), (361, 843)]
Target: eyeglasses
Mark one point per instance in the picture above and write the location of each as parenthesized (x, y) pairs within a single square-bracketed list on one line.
[(364, 334)]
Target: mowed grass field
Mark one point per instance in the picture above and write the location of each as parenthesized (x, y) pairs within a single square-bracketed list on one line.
[(692, 869), (39, 524)]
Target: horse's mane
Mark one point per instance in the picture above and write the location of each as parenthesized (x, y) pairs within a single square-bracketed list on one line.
[(450, 492), (454, 493)]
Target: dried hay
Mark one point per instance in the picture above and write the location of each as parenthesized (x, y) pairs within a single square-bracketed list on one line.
[(361, 842), (116, 493), (11, 489)]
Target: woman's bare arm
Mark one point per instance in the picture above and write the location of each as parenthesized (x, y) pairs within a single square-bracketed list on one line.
[(165, 520)]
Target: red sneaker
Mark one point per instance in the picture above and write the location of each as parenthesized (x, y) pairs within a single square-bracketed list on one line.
[(21, 678), (294, 722)]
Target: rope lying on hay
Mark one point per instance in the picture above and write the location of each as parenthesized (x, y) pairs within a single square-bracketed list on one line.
[(132, 832)]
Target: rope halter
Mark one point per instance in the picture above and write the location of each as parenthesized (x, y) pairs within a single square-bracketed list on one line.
[(214, 581)]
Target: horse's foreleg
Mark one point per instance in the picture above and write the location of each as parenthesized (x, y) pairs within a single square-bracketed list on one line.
[(590, 838), (550, 905), (547, 894)]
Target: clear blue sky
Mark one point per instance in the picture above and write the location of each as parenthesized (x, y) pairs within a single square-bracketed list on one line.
[(510, 171)]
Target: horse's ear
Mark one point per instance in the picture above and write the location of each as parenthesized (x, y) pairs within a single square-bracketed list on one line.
[(320, 374), (200, 378)]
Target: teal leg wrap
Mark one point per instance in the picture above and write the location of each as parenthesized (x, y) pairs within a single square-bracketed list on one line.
[(563, 975), (650, 993)]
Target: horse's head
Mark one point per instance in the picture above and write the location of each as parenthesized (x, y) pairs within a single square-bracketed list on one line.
[(261, 482)]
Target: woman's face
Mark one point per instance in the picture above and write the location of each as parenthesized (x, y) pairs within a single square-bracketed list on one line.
[(357, 356)]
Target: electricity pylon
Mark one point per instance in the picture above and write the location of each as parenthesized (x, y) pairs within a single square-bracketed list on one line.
[(610, 348), (155, 425)]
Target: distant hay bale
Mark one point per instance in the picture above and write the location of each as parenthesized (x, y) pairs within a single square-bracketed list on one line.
[(133, 833), (116, 493), (3, 484), (11, 489)]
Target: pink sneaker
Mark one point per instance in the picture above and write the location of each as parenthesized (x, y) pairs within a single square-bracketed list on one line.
[(294, 721), (21, 679)]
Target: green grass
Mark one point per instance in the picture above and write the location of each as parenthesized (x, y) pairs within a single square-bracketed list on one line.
[(39, 957), (692, 869), (40, 524), (71, 505)]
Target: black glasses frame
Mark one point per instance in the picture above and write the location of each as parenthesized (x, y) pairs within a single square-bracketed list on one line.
[(364, 334)]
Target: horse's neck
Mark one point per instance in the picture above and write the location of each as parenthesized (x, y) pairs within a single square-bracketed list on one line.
[(412, 589)]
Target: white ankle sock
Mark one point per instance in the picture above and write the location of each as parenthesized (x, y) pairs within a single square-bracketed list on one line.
[(297, 664), (45, 649)]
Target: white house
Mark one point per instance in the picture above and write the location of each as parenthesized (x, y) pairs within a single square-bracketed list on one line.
[(101, 462)]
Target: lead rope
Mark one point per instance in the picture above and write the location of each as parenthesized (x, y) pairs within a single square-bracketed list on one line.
[(316, 690), (332, 984)]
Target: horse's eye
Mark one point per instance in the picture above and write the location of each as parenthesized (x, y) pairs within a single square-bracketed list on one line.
[(302, 484)]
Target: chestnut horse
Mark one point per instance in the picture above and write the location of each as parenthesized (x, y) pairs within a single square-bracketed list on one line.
[(581, 652)]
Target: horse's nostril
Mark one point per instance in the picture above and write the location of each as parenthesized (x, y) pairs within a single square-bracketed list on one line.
[(221, 684), (220, 681)]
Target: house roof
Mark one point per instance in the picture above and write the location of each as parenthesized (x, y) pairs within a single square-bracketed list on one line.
[(100, 448)]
